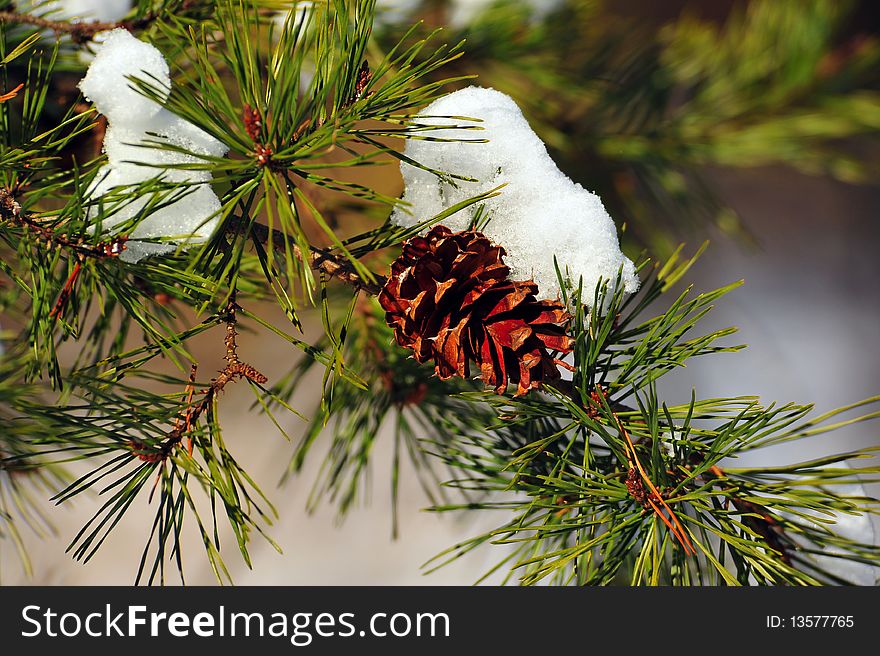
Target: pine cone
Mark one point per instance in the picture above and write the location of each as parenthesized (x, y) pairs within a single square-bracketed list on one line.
[(449, 300)]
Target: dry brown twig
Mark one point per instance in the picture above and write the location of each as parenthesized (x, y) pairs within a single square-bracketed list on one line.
[(235, 369)]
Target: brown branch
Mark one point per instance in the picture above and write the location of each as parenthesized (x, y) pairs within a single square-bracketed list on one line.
[(11, 212), (639, 485), (9, 95), (235, 370), (653, 497), (335, 266), (754, 515), (79, 31)]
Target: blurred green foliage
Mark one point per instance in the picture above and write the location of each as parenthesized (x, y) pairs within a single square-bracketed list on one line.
[(639, 109)]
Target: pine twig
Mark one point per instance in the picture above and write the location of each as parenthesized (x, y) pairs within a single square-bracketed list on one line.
[(755, 516), (333, 265), (79, 31), (637, 478), (235, 369), (9, 95), (10, 211)]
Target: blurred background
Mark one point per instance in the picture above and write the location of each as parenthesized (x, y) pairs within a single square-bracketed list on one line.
[(751, 124)]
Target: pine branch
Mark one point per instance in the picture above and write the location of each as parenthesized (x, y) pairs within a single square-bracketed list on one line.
[(755, 515), (589, 471), (235, 369), (333, 265), (79, 31), (11, 211)]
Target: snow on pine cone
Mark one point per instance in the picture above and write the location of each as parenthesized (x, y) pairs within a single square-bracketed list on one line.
[(449, 299)]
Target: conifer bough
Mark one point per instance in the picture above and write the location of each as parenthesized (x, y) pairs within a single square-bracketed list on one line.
[(602, 481)]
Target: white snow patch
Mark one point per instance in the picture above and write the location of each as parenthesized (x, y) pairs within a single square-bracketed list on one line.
[(121, 56), (136, 122), (539, 213)]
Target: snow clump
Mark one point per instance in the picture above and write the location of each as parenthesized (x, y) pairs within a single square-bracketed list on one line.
[(538, 214), (137, 125)]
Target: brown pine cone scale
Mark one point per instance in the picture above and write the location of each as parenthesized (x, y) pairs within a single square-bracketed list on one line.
[(449, 299)]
